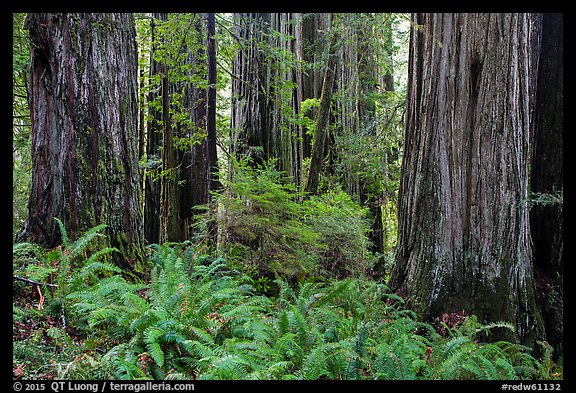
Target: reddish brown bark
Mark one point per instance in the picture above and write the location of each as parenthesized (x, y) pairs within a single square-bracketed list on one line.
[(83, 104), (464, 239)]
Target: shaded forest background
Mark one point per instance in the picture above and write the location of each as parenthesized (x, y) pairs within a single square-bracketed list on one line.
[(274, 166)]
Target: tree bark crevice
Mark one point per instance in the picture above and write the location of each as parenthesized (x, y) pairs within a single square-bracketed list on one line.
[(83, 145), (466, 153)]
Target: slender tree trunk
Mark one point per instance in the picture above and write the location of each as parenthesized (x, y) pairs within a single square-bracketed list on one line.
[(358, 81), (169, 207), (268, 91), (183, 112), (211, 120), (464, 241), (153, 147), (307, 47), (169, 202), (284, 142), (547, 178), (195, 168), (84, 106), (319, 148), (141, 127)]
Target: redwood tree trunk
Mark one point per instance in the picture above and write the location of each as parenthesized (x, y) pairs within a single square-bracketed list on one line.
[(84, 109), (284, 142), (250, 118), (321, 134), (169, 201), (464, 240), (153, 145), (310, 38), (214, 183), (547, 178), (194, 165)]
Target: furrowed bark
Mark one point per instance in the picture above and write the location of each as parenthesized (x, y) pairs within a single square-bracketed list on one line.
[(464, 240), (83, 103)]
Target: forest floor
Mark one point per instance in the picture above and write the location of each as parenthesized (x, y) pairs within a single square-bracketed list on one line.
[(203, 317)]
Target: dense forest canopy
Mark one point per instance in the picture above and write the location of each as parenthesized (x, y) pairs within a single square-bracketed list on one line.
[(287, 196)]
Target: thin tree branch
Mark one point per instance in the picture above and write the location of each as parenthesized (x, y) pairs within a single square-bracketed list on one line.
[(33, 282)]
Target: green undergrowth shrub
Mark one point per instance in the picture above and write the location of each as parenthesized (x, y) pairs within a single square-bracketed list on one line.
[(271, 230), (343, 233)]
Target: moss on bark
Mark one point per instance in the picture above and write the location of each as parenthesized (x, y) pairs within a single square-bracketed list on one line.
[(463, 223), (84, 121)]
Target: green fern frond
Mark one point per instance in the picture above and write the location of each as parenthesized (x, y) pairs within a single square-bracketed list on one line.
[(129, 371), (151, 339), (360, 340), (103, 317), (455, 344), (353, 369), (24, 253), (98, 254), (228, 366), (91, 273), (337, 355), (81, 244), (98, 267), (199, 350), (205, 273), (283, 323), (202, 335), (500, 324), (507, 370), (332, 294), (112, 287), (314, 364), (286, 295), (147, 319), (402, 357), (63, 233), (456, 354), (257, 330), (173, 337), (475, 371), (135, 303), (277, 370), (393, 296), (488, 366), (300, 326), (287, 348), (405, 313)]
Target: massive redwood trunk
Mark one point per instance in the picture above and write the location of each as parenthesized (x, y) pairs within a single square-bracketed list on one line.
[(83, 104), (464, 240)]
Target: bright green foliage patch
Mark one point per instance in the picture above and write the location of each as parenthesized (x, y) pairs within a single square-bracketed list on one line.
[(271, 230)]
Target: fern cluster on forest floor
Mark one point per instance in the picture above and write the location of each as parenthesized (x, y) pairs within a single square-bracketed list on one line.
[(199, 318)]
